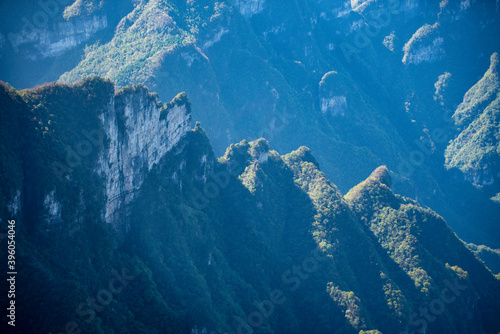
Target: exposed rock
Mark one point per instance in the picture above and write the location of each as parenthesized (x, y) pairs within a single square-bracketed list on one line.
[(482, 177), (58, 37), (336, 105), (14, 205), (263, 157), (53, 209), (215, 39), (332, 95), (138, 139), (382, 8)]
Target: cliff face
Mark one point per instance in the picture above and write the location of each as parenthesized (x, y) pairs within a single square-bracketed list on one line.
[(52, 39), (119, 138), (476, 148), (332, 95), (140, 131), (252, 69), (249, 8), (424, 46)]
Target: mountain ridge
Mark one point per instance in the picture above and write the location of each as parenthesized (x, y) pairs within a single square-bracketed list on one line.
[(244, 231), (392, 70)]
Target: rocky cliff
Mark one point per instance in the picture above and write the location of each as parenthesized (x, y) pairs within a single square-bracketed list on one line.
[(476, 148), (122, 136), (37, 42), (140, 131)]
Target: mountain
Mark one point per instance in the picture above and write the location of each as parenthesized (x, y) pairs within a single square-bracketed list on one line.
[(475, 151), (361, 83), (126, 221)]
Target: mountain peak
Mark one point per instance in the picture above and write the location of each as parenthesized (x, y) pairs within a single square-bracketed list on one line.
[(382, 175), (494, 63), (302, 154)]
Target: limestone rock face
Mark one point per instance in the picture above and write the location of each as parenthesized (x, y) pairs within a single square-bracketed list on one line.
[(138, 139), (426, 53), (426, 45), (53, 39), (249, 8), (332, 95)]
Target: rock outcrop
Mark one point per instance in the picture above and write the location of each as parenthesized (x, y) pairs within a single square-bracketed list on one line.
[(426, 45), (249, 8), (140, 131), (53, 39), (475, 150), (332, 93)]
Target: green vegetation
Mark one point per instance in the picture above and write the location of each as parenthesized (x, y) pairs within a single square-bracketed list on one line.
[(179, 100), (491, 257), (79, 7), (496, 198), (261, 75), (143, 39), (425, 34), (476, 149)]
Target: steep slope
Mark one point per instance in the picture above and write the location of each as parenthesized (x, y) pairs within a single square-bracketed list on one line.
[(40, 40), (476, 149), (252, 242), (419, 241), (389, 294), (490, 256)]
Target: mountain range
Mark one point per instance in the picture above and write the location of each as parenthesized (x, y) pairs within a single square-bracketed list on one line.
[(113, 186), (207, 227), (361, 83)]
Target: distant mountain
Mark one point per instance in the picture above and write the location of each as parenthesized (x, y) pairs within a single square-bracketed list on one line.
[(127, 222)]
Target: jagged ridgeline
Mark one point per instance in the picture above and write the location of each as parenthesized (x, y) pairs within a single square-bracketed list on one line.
[(475, 151), (361, 83), (127, 222)]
